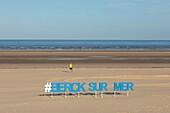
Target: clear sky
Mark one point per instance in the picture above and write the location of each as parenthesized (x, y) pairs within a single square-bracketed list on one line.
[(85, 19)]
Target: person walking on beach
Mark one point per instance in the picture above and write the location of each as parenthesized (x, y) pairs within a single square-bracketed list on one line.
[(71, 67)]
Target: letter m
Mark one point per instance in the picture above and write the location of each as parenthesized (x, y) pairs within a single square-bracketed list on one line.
[(117, 86)]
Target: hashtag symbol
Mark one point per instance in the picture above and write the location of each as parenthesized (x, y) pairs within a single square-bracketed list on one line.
[(48, 87)]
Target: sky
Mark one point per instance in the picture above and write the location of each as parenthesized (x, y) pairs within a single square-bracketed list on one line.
[(85, 19)]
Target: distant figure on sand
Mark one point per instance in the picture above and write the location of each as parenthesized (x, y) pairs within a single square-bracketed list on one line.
[(71, 67)]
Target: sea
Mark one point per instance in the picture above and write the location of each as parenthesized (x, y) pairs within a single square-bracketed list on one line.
[(84, 44)]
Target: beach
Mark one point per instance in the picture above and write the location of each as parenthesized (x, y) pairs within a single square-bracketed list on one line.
[(23, 75), (86, 59)]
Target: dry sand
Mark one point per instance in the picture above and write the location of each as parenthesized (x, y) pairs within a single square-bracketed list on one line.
[(22, 88)]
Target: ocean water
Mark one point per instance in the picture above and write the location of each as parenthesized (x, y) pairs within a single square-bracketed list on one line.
[(84, 44)]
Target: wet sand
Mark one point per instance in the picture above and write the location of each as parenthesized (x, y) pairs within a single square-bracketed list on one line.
[(86, 59)]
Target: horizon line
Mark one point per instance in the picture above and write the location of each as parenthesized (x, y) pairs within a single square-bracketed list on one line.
[(93, 39)]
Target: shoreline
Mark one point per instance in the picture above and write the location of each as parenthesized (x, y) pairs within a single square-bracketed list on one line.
[(130, 50)]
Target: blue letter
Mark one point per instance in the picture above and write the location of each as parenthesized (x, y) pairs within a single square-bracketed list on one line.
[(92, 86), (103, 86)]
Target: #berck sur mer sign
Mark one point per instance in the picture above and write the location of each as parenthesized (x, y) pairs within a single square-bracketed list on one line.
[(73, 87)]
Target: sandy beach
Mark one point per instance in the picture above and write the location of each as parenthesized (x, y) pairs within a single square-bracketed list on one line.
[(23, 75), (85, 59)]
